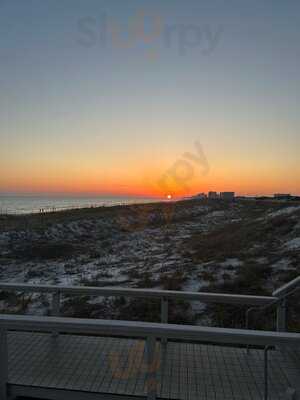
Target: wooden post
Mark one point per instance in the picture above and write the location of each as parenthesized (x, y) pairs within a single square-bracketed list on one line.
[(281, 316), (55, 311), (151, 368), (3, 364), (164, 315)]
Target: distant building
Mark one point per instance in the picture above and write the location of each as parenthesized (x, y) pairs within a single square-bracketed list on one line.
[(213, 195), (227, 196), (282, 196), (200, 196)]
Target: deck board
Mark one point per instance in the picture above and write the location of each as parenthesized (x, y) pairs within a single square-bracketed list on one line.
[(185, 371)]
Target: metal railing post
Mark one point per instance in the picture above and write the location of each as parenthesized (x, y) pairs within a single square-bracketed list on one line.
[(55, 311), (164, 315), (266, 373), (281, 316), (164, 310), (151, 368), (3, 364), (248, 312)]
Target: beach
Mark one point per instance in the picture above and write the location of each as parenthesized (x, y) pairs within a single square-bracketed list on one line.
[(39, 204)]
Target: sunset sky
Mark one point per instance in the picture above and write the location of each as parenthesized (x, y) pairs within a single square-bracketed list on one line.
[(108, 96)]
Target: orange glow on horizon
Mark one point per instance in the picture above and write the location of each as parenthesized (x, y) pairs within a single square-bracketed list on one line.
[(144, 179), (146, 189)]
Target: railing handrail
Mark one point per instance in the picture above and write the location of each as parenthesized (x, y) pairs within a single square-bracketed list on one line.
[(147, 329), (145, 293), (280, 296), (287, 289)]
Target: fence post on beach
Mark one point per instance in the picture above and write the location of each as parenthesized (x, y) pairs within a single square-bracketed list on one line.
[(55, 311)]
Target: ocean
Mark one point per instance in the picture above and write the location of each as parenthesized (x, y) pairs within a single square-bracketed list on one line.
[(27, 204)]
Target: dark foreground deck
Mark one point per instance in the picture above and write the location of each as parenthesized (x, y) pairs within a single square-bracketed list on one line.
[(86, 367)]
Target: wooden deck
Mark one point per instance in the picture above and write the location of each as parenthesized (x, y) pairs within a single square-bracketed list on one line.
[(116, 366)]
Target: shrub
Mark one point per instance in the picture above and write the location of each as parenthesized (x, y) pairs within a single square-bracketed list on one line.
[(173, 282), (46, 251)]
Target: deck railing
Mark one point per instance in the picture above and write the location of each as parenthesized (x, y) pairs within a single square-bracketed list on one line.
[(149, 331), (281, 296), (283, 293), (258, 303), (163, 295)]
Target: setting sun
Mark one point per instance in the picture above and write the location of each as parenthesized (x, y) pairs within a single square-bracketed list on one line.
[(149, 160)]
